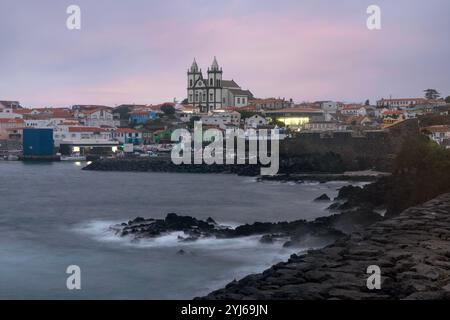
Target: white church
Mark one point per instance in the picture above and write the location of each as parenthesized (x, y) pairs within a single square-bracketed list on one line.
[(213, 92)]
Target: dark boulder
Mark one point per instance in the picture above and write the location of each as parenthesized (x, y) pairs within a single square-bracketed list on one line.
[(323, 197)]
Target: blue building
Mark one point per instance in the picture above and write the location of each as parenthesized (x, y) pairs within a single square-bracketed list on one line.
[(38, 142), (141, 117)]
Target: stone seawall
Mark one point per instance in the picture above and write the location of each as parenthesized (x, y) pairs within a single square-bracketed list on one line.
[(358, 151), (412, 251)]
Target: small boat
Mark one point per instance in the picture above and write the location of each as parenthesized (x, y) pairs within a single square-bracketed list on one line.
[(12, 158), (164, 148), (73, 158)]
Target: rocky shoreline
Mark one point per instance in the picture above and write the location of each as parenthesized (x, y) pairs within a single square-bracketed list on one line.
[(411, 249), (299, 233)]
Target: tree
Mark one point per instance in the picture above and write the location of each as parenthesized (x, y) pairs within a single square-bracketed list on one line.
[(192, 120), (185, 101), (276, 122), (432, 94), (123, 111), (247, 114), (367, 103), (421, 171), (168, 109)]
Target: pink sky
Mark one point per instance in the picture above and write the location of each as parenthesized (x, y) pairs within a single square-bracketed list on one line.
[(294, 51)]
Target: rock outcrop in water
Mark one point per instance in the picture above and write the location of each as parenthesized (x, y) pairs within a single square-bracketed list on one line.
[(412, 251), (317, 233)]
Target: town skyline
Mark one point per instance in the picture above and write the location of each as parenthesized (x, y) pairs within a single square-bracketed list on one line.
[(307, 52)]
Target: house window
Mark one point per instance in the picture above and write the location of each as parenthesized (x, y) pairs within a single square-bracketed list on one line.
[(211, 82), (211, 97), (218, 82), (238, 100)]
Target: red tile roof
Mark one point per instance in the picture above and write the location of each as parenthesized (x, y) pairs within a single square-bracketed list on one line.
[(23, 111), (139, 112), (86, 129), (126, 130), (296, 110), (438, 129), (394, 112), (14, 120)]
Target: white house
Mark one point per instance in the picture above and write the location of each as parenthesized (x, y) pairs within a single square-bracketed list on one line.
[(400, 102), (9, 113), (222, 119), (127, 136), (255, 121), (439, 133), (97, 118), (80, 134), (329, 106), (354, 110), (323, 126)]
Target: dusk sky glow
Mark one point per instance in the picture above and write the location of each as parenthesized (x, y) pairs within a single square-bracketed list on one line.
[(138, 51)]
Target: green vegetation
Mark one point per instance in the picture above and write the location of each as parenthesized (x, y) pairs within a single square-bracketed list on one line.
[(432, 94), (168, 109), (123, 111), (245, 114), (421, 172), (276, 122), (192, 120)]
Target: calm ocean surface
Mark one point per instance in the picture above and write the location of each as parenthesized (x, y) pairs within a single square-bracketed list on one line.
[(55, 215)]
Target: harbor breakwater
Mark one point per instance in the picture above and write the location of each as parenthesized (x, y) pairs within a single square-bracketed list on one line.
[(412, 251), (313, 164)]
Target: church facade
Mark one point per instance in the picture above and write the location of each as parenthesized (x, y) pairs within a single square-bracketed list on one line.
[(212, 92)]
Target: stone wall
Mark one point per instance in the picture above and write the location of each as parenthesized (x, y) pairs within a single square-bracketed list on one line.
[(359, 151)]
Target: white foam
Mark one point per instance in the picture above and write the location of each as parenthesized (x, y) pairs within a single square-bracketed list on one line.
[(100, 230)]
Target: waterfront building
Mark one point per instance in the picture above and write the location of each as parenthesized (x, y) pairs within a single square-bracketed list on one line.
[(38, 142), (8, 124), (127, 136), (296, 117)]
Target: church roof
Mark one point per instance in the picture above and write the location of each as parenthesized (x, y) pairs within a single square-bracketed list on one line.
[(239, 92), (230, 84)]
